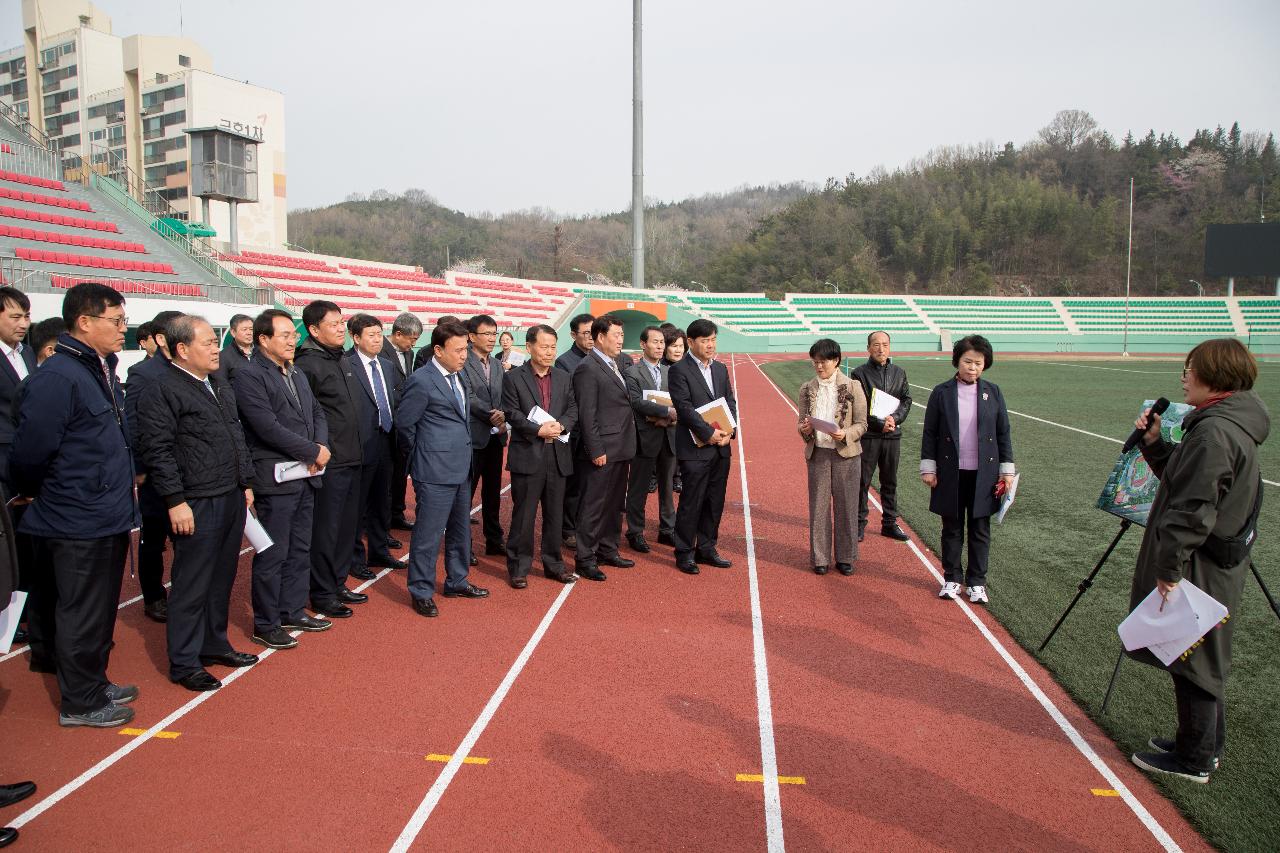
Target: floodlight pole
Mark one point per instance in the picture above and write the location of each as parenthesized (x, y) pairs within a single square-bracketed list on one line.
[(637, 149), (1128, 273)]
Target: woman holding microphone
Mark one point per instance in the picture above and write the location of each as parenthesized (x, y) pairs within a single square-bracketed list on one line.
[(1200, 528)]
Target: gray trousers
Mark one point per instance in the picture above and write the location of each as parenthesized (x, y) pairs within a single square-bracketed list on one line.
[(833, 506)]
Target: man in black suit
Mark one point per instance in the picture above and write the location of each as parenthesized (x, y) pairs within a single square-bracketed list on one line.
[(335, 386), (283, 425), (155, 515), (488, 425), (696, 380), (580, 328), (655, 440), (18, 362), (376, 404), (538, 460), (607, 444), (239, 348), (398, 348)]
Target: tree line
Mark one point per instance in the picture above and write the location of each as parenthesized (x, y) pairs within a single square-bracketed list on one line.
[(1047, 218)]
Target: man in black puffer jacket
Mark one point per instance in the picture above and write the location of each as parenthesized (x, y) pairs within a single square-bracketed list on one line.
[(337, 389), (191, 442)]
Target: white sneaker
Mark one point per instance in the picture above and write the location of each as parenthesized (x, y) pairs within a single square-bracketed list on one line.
[(977, 594), (950, 590)]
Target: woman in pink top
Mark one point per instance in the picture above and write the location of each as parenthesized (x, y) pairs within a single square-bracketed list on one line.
[(966, 458)]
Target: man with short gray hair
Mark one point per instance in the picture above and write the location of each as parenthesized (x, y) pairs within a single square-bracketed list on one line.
[(882, 441), (398, 349)]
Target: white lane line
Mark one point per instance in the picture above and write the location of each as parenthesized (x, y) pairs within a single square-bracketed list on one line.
[(1077, 740), (115, 757), (103, 765), (1061, 426), (1099, 367), (1071, 732), (121, 606), (429, 802), (764, 701)]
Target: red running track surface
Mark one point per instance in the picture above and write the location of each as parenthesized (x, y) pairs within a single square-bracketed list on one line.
[(627, 726)]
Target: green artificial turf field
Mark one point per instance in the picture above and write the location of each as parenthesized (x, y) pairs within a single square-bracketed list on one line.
[(1051, 539)]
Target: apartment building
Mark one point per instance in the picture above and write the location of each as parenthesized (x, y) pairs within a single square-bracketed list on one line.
[(131, 99)]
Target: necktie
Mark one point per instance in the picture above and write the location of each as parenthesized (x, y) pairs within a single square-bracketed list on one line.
[(657, 376), (457, 393), (380, 395), (209, 385)]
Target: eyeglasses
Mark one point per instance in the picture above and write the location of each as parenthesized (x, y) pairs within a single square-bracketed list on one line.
[(1185, 371), (118, 322), (487, 334)]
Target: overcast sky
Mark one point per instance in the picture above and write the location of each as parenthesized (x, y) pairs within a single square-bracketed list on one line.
[(497, 105)]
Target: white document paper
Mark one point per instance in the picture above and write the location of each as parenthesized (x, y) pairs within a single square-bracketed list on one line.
[(9, 618), (1007, 500), (1187, 615), (661, 397), (882, 405), (541, 416), (820, 425), (255, 532), (515, 358), (719, 401), (289, 471)]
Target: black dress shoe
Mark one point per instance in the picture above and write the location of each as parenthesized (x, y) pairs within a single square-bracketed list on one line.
[(518, 583), (362, 573), (474, 561), (495, 549), (591, 573), (157, 611), (845, 569), (15, 793), (401, 523), (425, 607), (199, 681), (862, 532), (638, 544), (562, 577), (653, 484), (666, 539), (276, 638), (714, 559), (395, 544), (347, 596), (569, 541), (8, 835), (333, 610), (232, 659), (893, 531), (468, 591), (475, 520), (689, 567), (616, 560), (306, 623), (677, 485), (388, 562), (20, 636), (819, 570)]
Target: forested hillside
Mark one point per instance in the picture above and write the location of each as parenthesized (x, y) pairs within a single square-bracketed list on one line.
[(1049, 218)]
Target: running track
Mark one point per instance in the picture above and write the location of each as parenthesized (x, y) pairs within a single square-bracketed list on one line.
[(758, 707)]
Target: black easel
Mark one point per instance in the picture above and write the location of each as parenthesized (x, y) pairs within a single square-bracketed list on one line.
[(1085, 584)]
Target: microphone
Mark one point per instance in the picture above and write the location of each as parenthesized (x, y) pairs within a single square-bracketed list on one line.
[(1157, 408)]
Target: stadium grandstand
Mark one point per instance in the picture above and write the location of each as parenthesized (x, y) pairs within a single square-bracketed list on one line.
[(65, 218)]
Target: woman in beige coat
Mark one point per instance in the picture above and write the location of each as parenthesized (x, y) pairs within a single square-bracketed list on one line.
[(832, 456)]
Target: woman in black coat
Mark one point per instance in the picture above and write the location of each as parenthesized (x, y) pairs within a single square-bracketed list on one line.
[(966, 458)]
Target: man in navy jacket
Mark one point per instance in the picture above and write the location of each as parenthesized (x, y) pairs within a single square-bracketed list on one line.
[(71, 457), (283, 424)]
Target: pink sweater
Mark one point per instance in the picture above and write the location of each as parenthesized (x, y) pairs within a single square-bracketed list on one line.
[(967, 408)]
